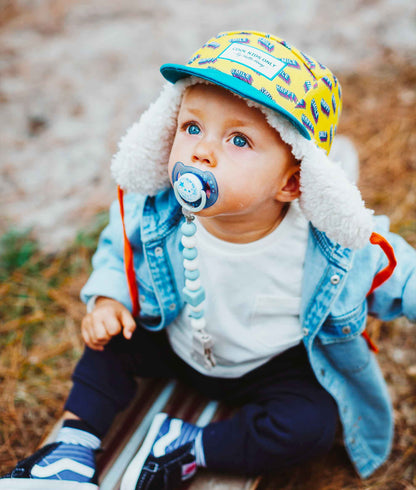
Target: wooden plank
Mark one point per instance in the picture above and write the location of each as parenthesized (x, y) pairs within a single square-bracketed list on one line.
[(128, 434)]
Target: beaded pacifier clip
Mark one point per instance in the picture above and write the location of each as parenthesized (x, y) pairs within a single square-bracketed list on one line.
[(189, 191)]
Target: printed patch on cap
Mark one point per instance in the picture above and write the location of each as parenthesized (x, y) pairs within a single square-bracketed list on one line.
[(253, 58)]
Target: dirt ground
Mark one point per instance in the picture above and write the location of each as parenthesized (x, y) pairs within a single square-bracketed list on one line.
[(74, 74)]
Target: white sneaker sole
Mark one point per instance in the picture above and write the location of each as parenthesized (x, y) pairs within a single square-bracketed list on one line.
[(41, 484), (134, 469)]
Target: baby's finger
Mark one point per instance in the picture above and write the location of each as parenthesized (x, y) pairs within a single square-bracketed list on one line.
[(85, 327), (86, 335), (129, 325), (99, 334), (112, 326)]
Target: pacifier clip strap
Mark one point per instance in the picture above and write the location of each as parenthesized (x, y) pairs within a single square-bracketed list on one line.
[(128, 260), (194, 294), (381, 277)]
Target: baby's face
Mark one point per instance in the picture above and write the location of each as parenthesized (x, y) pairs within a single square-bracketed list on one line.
[(219, 133)]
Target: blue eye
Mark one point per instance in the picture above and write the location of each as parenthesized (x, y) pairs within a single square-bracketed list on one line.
[(193, 129), (240, 141)]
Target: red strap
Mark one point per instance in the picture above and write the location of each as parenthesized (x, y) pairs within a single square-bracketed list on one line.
[(370, 343), (381, 276), (385, 273), (128, 260)]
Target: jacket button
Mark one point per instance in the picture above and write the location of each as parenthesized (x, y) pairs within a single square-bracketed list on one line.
[(305, 331), (158, 251), (346, 330), (172, 306), (335, 279)]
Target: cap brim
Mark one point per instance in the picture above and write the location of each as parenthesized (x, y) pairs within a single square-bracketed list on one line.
[(174, 72)]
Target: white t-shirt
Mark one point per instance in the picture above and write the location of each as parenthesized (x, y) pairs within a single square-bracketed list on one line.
[(252, 297)]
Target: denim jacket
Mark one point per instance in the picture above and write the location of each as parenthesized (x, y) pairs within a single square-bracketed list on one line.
[(334, 308)]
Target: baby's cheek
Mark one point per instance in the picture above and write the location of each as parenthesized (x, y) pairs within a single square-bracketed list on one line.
[(236, 198), (170, 165)]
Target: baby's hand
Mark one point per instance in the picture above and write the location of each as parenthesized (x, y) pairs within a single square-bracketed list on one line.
[(108, 318)]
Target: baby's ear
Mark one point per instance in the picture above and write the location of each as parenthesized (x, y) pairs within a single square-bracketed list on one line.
[(291, 188)]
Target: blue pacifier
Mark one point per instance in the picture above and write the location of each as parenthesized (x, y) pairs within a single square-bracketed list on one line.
[(194, 189)]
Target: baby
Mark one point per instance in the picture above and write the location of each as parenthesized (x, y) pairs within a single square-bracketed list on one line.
[(256, 264)]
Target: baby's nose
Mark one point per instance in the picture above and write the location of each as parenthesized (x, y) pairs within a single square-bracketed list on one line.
[(204, 154), (204, 160)]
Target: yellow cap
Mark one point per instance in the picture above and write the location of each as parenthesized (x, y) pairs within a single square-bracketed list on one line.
[(268, 70)]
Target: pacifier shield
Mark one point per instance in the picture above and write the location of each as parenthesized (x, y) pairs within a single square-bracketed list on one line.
[(190, 187), (195, 183)]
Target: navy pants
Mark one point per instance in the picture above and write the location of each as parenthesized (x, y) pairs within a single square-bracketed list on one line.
[(284, 417)]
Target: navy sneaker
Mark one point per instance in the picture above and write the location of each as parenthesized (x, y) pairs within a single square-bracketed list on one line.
[(166, 458), (54, 466)]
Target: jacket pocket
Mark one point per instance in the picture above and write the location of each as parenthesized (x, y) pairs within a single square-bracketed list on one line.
[(344, 327), (275, 320), (349, 357)]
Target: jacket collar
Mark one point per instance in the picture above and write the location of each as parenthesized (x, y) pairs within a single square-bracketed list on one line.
[(332, 251)]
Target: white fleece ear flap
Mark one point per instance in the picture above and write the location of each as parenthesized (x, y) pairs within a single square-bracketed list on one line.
[(329, 200), (332, 203), (140, 165)]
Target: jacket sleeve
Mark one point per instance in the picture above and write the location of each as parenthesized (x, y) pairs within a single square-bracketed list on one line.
[(397, 296), (108, 277)]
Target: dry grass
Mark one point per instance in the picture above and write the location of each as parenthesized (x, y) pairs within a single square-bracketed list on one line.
[(39, 337), (40, 310)]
